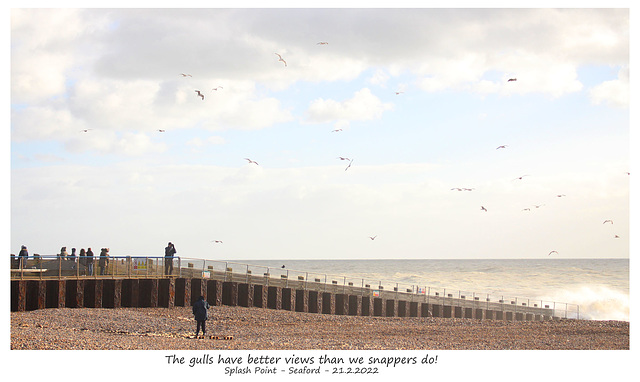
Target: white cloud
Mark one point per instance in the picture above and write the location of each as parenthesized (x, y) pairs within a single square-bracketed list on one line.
[(362, 107), (106, 142), (45, 49), (380, 78), (615, 92), (212, 140)]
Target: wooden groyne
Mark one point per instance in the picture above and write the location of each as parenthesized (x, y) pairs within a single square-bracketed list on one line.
[(40, 282), (169, 292)]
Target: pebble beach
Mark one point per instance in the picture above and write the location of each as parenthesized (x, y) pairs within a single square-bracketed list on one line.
[(268, 329)]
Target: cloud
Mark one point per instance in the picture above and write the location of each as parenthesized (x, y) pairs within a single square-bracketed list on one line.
[(363, 106), (614, 93), (212, 140), (46, 48)]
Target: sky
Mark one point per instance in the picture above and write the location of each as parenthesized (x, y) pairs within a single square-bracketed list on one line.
[(111, 145)]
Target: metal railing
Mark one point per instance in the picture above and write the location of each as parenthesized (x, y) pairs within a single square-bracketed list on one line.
[(56, 267)]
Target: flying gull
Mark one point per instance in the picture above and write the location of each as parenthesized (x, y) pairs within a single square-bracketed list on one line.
[(281, 59), (512, 79), (349, 165), (607, 221), (483, 209), (373, 237), (200, 94), (556, 252), (251, 161), (501, 147)]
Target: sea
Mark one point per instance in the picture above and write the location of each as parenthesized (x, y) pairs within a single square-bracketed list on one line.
[(595, 289)]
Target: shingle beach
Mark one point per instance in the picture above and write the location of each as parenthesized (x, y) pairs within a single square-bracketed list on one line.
[(268, 329)]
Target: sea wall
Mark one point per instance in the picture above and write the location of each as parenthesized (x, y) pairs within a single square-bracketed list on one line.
[(170, 292)]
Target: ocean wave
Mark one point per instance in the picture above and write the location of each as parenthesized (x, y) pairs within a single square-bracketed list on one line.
[(596, 302)]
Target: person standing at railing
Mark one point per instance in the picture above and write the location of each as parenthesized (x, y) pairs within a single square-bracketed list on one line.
[(169, 252), (82, 258), (104, 260), (63, 253), (72, 257), (23, 255), (200, 313), (89, 259)]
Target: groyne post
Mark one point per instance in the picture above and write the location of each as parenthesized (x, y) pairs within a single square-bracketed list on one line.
[(328, 303), (390, 308), (302, 300), (245, 295), (111, 293), (230, 293)]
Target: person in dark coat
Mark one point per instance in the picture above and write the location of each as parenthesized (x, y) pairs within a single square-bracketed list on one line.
[(82, 259), (23, 255), (169, 252), (104, 260), (89, 262), (200, 313)]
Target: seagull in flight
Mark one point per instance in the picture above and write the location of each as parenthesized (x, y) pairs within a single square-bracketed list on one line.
[(526, 209), (520, 177), (398, 93), (501, 147), (322, 43), (216, 241), (160, 130), (616, 237), (336, 130), (483, 209), (373, 237), (85, 130), (185, 75), (349, 165), (512, 79), (281, 59), (607, 221), (560, 195), (556, 252), (216, 88), (251, 161), (343, 158), (200, 94)]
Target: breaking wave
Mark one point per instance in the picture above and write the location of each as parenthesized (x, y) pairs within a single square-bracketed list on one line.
[(596, 302)]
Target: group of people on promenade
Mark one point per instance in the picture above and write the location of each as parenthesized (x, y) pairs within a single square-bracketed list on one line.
[(84, 258)]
